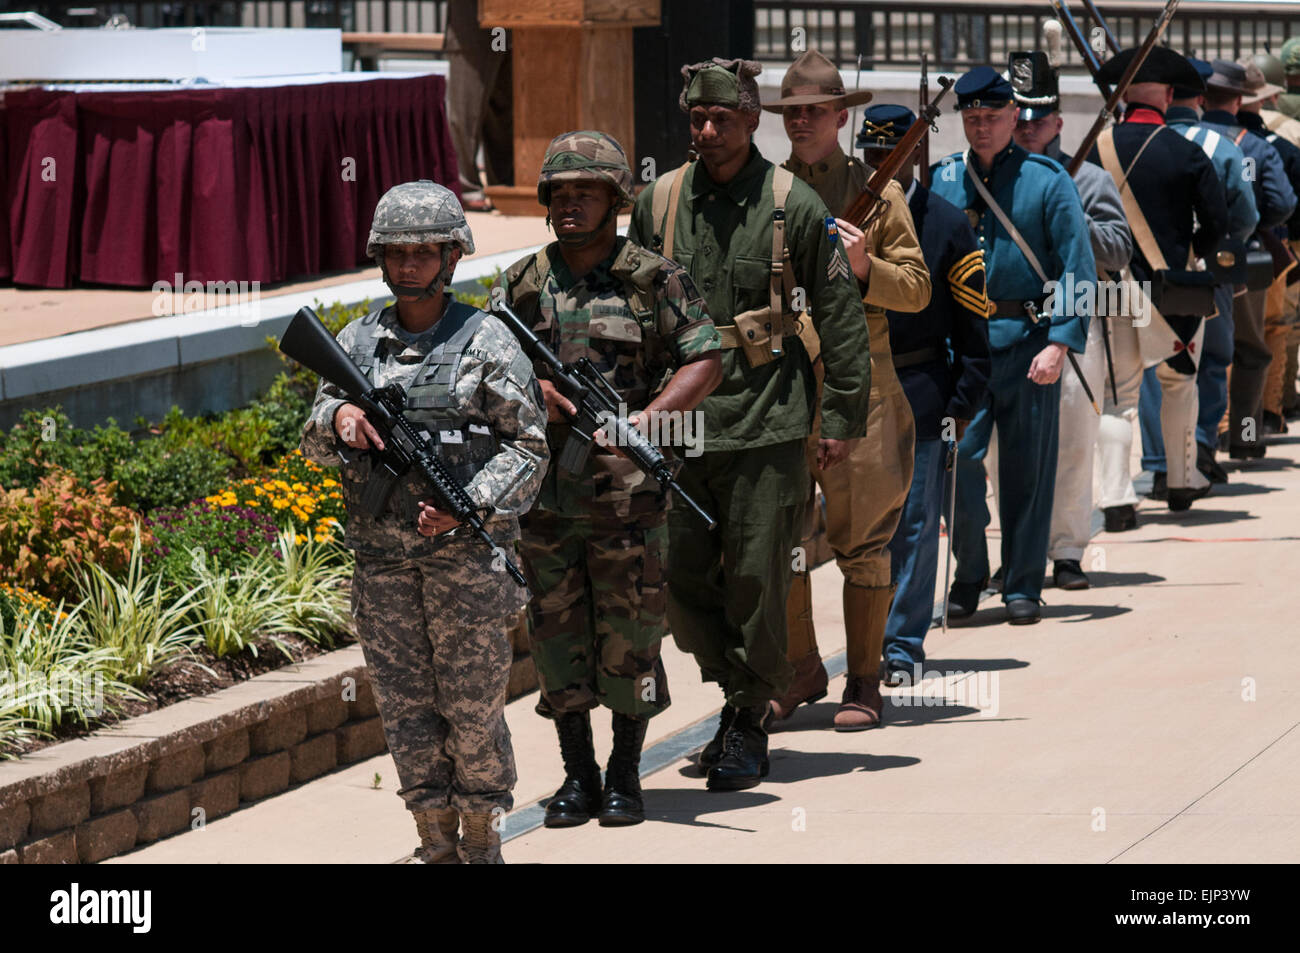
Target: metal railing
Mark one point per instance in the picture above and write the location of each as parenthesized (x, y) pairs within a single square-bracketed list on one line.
[(960, 35), (956, 33)]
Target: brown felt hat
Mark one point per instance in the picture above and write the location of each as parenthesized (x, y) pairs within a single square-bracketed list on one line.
[(1260, 88), (812, 78)]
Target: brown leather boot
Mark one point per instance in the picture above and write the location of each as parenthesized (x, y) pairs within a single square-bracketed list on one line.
[(865, 613), (809, 685), (861, 707)]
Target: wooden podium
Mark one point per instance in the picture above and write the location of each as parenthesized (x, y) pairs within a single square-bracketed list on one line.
[(572, 62)]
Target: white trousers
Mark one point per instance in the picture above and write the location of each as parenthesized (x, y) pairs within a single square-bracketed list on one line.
[(1179, 404), (1071, 525)]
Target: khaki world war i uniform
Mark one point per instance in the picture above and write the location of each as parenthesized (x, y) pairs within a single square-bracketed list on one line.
[(748, 244), (430, 611), (865, 495)]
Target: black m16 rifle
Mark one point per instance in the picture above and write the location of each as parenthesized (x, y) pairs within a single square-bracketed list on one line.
[(406, 446), (598, 409)]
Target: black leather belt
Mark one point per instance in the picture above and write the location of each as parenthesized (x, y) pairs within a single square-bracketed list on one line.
[(923, 355), (1016, 308)]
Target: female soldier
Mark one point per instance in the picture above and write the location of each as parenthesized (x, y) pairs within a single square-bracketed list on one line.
[(429, 603)]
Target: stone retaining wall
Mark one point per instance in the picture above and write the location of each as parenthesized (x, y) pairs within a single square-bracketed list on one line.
[(184, 765)]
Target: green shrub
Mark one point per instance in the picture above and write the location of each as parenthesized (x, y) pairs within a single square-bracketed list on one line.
[(45, 439), (45, 532), (284, 408), (165, 473), (233, 609)]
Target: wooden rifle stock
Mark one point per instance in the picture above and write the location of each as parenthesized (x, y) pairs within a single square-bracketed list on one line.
[(1122, 86), (870, 203)]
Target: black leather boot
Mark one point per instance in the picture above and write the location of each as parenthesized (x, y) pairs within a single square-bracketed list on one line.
[(744, 752), (712, 752), (579, 796), (622, 802)]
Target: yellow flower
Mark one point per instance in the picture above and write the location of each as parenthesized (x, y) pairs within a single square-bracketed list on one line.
[(279, 504), (306, 502), (299, 538), (328, 482)]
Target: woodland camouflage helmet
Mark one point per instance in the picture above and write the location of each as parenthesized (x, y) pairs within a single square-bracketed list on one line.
[(585, 155), (1272, 68), (415, 213)]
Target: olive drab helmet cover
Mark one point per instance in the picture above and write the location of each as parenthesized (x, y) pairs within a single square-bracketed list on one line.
[(414, 213), (591, 155)]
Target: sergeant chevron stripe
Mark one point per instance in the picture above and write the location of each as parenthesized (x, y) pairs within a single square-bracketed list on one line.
[(837, 266)]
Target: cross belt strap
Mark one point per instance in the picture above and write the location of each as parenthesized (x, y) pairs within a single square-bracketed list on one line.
[(1005, 220)]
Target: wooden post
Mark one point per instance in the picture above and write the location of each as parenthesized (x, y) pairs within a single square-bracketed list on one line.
[(572, 68)]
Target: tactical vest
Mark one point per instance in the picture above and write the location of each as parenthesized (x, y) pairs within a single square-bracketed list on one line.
[(464, 447), (524, 283), (761, 332)]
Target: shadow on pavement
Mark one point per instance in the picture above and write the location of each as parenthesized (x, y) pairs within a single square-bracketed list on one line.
[(789, 767), (1194, 516), (675, 806), (1085, 613), (1103, 580), (1242, 489), (971, 664), (1264, 465)]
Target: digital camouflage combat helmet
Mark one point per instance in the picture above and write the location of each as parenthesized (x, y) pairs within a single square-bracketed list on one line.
[(414, 213), (590, 155)]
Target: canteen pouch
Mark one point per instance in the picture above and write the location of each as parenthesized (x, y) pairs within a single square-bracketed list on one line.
[(1177, 292), (754, 333)]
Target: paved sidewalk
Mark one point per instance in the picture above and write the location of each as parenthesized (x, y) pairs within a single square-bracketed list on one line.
[(1151, 718)]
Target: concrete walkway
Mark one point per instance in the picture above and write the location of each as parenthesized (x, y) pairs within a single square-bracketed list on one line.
[(1152, 718)]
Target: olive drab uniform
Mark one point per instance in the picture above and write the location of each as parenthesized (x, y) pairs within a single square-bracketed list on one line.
[(749, 244), (430, 610), (595, 546), (865, 496)]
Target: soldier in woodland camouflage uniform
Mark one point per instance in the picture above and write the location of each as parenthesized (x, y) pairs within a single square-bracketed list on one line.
[(429, 604), (596, 543)]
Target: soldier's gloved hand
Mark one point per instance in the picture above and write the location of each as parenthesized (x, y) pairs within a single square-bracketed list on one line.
[(855, 246), (355, 430), (832, 452), (1046, 366), (558, 407), (433, 521)]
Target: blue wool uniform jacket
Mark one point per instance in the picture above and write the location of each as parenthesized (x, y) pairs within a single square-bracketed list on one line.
[(1040, 198), (1229, 161), (1288, 152), (955, 320), (1172, 179), (1275, 200)]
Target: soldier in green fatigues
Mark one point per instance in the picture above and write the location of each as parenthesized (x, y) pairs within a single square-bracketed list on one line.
[(595, 545), (755, 240)]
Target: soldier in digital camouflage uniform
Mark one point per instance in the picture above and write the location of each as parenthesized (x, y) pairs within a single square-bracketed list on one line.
[(429, 604), (596, 543)]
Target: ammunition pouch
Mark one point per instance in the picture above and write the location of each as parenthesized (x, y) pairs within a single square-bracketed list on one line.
[(759, 336), (1183, 292)]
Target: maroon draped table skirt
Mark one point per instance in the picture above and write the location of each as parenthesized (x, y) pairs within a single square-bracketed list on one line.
[(228, 184)]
